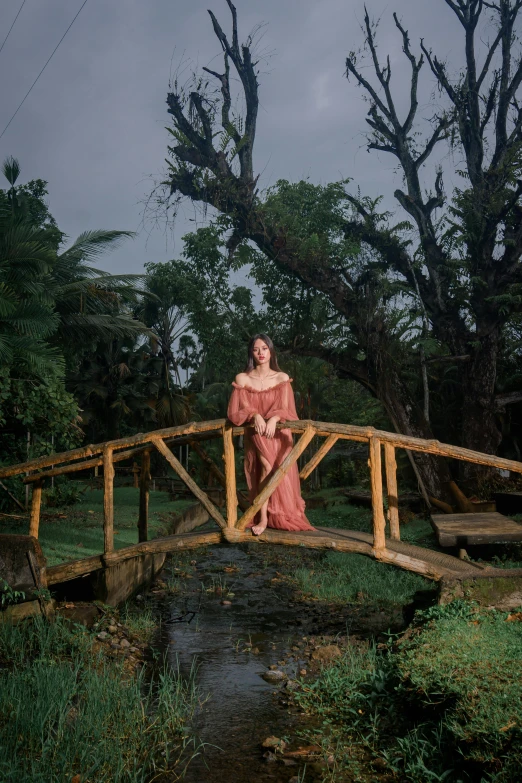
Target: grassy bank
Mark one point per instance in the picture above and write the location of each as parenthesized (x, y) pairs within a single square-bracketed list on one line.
[(77, 531), (69, 714), (341, 577), (442, 704)]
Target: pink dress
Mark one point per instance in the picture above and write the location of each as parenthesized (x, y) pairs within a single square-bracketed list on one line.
[(285, 506)]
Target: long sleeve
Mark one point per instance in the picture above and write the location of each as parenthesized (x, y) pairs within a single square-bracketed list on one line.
[(284, 404), (240, 409)]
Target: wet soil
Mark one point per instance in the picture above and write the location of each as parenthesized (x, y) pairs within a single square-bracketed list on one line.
[(233, 616)]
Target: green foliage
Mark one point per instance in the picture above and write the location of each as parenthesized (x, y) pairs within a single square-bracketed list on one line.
[(443, 703), (65, 710), (64, 493), (8, 596)]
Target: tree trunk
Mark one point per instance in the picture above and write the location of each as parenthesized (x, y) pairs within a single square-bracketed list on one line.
[(407, 418), (480, 430)]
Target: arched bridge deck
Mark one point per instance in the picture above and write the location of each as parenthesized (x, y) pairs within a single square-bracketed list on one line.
[(383, 544)]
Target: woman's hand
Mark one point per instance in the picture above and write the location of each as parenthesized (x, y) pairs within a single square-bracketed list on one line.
[(259, 424), (270, 427)]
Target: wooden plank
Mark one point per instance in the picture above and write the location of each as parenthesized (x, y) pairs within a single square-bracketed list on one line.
[(36, 504), (277, 477), (310, 466), (417, 565), (379, 522), (143, 516), (191, 484), (391, 490), (308, 539), (108, 500), (64, 572), (161, 545), (230, 476), (461, 530)]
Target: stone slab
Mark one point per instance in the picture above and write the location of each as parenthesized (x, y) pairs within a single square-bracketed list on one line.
[(462, 530)]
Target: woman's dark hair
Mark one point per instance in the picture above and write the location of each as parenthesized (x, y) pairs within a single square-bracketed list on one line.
[(270, 345)]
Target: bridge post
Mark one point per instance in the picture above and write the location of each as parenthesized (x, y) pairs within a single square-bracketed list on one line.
[(108, 500), (36, 503), (379, 522), (143, 518), (230, 477), (391, 489)]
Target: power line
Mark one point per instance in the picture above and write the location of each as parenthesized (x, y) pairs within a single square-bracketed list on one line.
[(9, 31), (43, 69)]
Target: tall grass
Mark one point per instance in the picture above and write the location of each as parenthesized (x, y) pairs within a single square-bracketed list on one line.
[(65, 710)]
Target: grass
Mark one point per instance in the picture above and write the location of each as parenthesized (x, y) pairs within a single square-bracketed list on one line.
[(342, 515), (342, 577), (139, 620), (443, 704), (77, 531), (67, 711)]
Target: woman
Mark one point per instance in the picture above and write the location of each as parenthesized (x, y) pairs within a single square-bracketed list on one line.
[(263, 396)]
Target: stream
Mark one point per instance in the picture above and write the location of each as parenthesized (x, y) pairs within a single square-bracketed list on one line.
[(233, 617)]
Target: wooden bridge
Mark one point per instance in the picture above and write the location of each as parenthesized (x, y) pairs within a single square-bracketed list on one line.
[(384, 543)]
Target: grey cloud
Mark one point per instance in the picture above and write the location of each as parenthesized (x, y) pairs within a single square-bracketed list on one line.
[(94, 124)]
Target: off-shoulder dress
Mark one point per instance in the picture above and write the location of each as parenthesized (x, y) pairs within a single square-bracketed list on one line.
[(285, 507)]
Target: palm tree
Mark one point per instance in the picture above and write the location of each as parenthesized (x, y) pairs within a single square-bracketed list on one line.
[(54, 303), (27, 316)]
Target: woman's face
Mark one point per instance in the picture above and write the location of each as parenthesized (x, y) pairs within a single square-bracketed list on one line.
[(261, 352)]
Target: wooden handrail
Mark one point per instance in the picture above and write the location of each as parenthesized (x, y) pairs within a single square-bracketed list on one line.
[(321, 428), (91, 450)]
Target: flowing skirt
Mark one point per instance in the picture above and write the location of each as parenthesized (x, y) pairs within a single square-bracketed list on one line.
[(286, 507)]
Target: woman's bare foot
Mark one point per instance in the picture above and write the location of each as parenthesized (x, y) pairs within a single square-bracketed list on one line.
[(258, 529)]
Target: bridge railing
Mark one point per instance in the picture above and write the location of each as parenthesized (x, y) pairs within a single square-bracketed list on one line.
[(232, 527)]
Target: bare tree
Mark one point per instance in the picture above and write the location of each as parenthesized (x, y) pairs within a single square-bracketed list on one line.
[(464, 273), (469, 274)]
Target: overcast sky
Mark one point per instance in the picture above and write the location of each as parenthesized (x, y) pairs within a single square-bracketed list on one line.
[(94, 125)]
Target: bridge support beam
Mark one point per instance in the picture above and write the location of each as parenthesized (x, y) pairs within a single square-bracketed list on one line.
[(379, 522), (36, 504), (391, 490), (108, 500), (143, 518)]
